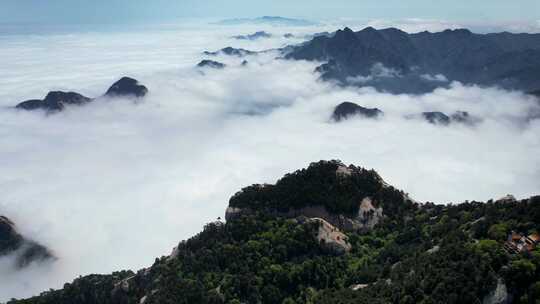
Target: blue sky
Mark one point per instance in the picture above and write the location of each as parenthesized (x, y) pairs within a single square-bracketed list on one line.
[(134, 11)]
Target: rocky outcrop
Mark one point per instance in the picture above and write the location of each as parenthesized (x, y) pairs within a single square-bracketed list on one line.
[(442, 119), (230, 51), (24, 250), (367, 218), (499, 295), (346, 110), (369, 215), (127, 87), (254, 36), (211, 64), (330, 237), (57, 101), (436, 118), (54, 101), (509, 198), (359, 286)]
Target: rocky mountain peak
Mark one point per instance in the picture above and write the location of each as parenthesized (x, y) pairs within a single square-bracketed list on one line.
[(349, 197), (345, 35), (348, 109), (56, 101), (126, 87), (211, 64)]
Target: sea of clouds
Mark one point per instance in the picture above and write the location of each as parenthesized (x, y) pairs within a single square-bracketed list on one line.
[(116, 183)]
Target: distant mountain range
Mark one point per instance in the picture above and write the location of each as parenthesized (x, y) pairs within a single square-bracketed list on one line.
[(395, 61), (268, 20)]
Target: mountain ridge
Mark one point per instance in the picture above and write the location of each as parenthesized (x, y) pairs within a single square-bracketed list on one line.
[(502, 59)]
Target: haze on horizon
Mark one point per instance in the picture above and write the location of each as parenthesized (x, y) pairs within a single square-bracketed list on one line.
[(137, 11)]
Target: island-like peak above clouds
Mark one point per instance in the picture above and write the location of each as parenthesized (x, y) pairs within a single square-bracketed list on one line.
[(348, 109), (211, 64), (127, 87), (421, 62), (57, 100), (254, 36), (230, 51), (333, 233)]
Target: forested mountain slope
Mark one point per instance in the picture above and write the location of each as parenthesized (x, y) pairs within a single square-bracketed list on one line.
[(414, 253)]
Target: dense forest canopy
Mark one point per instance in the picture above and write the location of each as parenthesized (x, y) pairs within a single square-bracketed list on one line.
[(330, 184)]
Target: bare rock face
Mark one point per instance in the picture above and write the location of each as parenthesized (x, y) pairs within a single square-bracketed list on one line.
[(498, 296), (368, 215), (331, 238), (509, 198), (13, 243)]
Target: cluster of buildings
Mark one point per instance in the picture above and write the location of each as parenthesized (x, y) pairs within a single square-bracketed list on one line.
[(518, 243)]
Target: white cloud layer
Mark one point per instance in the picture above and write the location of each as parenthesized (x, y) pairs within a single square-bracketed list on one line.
[(114, 184)]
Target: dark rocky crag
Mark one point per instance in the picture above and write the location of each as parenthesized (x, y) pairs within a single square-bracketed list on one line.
[(436, 118), (254, 36), (348, 109), (503, 59), (127, 87), (24, 250), (239, 52), (56, 101), (442, 119), (211, 64)]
